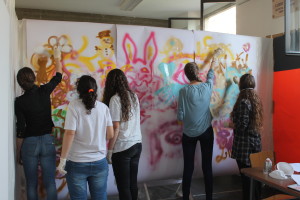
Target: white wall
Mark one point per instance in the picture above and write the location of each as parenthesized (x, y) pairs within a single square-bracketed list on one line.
[(7, 169), (254, 18)]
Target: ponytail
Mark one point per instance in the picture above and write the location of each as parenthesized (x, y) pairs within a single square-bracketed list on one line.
[(87, 89)]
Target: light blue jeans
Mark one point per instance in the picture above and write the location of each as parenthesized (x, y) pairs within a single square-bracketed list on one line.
[(35, 150), (93, 173)]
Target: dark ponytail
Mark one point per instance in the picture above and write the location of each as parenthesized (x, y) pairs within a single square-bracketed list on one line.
[(87, 89)]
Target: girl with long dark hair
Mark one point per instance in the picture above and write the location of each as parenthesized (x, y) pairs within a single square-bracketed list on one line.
[(125, 147), (83, 158), (247, 120)]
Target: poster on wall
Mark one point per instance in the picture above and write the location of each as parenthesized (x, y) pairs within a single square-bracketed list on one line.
[(241, 54), (278, 8), (153, 60)]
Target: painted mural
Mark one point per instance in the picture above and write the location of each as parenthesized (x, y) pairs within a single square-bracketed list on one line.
[(153, 60)]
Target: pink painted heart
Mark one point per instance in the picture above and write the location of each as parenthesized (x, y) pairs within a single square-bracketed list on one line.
[(246, 47)]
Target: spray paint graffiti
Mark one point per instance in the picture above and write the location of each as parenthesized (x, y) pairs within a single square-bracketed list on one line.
[(156, 77), (140, 72)]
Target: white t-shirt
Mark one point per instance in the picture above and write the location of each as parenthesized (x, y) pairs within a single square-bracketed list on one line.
[(130, 131), (89, 143)]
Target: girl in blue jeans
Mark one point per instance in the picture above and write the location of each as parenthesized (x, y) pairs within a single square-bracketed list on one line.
[(83, 158), (35, 145)]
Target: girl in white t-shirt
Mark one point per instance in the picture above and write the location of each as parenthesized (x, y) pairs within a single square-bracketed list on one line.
[(87, 127), (125, 147)]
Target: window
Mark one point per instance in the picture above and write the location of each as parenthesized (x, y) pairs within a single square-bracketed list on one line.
[(292, 27), (223, 22)]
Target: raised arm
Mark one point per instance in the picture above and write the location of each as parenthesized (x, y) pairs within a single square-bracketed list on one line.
[(49, 87), (57, 59), (210, 77), (210, 74)]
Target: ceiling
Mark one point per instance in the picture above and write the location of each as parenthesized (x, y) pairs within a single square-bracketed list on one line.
[(154, 9)]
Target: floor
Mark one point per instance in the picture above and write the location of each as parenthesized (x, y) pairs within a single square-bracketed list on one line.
[(225, 188)]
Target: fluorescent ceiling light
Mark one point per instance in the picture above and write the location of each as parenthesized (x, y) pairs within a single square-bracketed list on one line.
[(129, 5)]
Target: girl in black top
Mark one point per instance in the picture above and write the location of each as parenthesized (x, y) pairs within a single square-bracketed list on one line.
[(34, 125)]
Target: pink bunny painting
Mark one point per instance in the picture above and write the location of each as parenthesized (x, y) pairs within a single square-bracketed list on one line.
[(162, 133), (140, 72)]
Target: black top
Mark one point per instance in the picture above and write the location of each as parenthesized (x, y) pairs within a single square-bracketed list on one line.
[(33, 109)]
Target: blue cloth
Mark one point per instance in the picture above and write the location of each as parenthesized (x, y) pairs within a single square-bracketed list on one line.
[(193, 106), (41, 149), (93, 173)]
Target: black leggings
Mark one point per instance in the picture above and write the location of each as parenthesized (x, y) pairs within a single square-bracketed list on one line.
[(125, 165), (189, 145)]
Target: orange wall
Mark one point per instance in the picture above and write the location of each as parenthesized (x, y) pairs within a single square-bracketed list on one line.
[(286, 119)]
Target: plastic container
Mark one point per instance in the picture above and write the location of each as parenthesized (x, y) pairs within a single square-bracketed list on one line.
[(267, 166)]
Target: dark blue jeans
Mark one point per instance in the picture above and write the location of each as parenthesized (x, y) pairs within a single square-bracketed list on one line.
[(125, 165), (189, 146), (35, 150), (93, 173)]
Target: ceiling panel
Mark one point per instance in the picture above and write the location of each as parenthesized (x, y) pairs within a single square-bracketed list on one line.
[(155, 9)]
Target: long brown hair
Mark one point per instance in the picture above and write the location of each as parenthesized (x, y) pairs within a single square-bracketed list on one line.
[(247, 85), (116, 83)]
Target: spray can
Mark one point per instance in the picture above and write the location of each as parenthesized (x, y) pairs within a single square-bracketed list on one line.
[(267, 166)]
